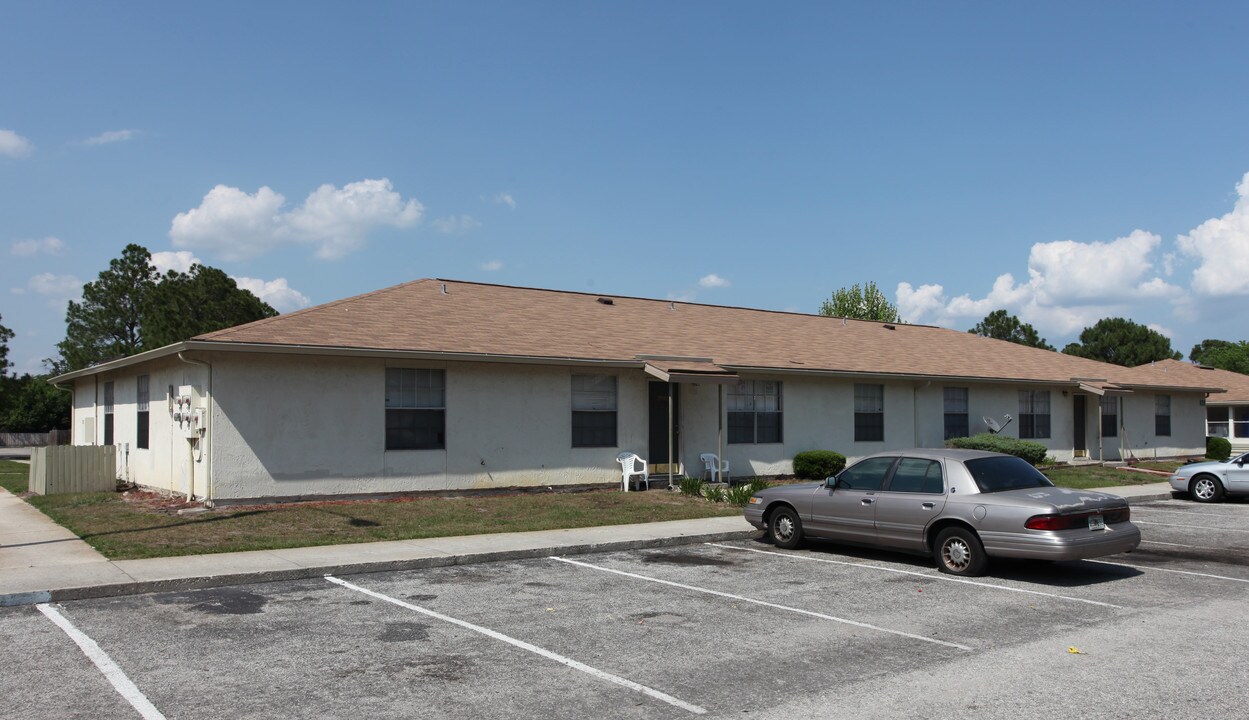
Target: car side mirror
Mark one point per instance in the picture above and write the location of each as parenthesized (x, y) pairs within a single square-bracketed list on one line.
[(831, 483)]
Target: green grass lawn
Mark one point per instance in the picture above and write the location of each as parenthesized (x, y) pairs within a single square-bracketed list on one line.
[(123, 529), (14, 476), (1095, 476), (128, 527)]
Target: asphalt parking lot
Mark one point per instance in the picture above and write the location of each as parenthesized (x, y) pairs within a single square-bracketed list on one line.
[(727, 629)]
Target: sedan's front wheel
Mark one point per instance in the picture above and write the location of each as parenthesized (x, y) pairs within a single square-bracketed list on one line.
[(959, 552), (785, 528), (1206, 489)]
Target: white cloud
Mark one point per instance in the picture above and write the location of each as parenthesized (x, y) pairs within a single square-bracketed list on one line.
[(682, 295), (111, 136), (49, 284), (1070, 286), (492, 266), (1221, 245), (713, 281), (180, 261), (231, 222), (237, 225), (506, 199), (339, 219), (918, 302), (452, 225), (1071, 273), (14, 145), (47, 246), (1162, 330), (277, 293)]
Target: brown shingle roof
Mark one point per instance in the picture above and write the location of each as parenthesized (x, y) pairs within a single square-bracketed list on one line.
[(1183, 374), (444, 316)]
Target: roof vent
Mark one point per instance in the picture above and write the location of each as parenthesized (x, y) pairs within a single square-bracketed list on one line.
[(607, 301), (890, 327), (442, 288)]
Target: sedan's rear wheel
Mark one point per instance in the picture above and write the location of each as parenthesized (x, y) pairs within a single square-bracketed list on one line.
[(1206, 489), (959, 552), (785, 528)]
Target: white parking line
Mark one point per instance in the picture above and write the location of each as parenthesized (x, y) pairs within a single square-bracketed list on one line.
[(764, 603), (1191, 547), (930, 576), (600, 674), (114, 674), (1192, 527), (1178, 572)]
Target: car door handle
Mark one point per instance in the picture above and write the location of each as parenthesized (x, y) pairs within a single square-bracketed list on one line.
[(929, 506), (867, 501)]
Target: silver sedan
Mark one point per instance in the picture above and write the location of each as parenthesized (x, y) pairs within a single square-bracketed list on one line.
[(1211, 481), (961, 506)]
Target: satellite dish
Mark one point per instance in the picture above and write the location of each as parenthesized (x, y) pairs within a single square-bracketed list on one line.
[(992, 424)]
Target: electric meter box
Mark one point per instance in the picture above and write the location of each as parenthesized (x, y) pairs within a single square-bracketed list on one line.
[(190, 412)]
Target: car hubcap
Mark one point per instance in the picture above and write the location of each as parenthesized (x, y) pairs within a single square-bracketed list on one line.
[(956, 554), (1204, 489), (784, 528)]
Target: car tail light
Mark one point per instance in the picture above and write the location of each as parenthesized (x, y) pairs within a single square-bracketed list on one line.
[(1077, 520)]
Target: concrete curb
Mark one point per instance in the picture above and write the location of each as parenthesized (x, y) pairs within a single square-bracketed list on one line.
[(211, 581)]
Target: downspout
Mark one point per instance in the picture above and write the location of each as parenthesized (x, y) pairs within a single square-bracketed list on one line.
[(95, 411), (208, 414)]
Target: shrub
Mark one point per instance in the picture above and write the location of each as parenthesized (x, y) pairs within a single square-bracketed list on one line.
[(818, 464), (1218, 448), (1033, 452), (757, 483), (739, 495), (691, 486), (715, 493)]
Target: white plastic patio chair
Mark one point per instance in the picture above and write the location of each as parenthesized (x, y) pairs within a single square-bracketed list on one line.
[(715, 467), (629, 468)]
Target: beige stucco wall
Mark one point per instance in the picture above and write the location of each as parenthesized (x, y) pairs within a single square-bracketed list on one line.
[(170, 463), (287, 425), (297, 425)]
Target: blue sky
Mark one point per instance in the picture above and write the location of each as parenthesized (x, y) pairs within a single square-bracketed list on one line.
[(1065, 161)]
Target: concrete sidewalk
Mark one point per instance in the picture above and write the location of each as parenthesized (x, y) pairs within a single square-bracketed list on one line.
[(41, 561)]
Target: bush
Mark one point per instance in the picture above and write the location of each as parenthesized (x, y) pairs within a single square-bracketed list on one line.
[(715, 493), (1218, 448), (691, 486), (818, 464), (1033, 452), (757, 483), (739, 495)]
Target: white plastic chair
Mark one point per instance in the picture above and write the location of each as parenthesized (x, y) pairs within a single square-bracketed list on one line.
[(715, 467), (628, 467)]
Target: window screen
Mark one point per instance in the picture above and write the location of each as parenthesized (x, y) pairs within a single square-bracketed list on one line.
[(108, 413), (1034, 414), (1162, 415), (416, 409), (755, 412), (141, 397), (869, 413), (593, 411), (956, 407)]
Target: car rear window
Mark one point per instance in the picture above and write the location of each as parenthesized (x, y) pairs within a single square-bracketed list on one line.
[(995, 474)]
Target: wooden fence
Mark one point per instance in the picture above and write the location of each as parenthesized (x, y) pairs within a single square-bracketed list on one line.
[(61, 469)]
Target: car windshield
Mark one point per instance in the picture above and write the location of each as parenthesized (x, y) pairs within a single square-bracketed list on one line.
[(995, 474)]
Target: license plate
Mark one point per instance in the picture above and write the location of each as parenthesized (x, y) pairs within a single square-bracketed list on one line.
[(1097, 522)]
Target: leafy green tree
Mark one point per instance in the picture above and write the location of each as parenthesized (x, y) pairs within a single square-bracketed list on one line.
[(5, 336), (108, 323), (35, 405), (1122, 342), (183, 305), (130, 308), (861, 303), (1222, 354), (1001, 326)]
